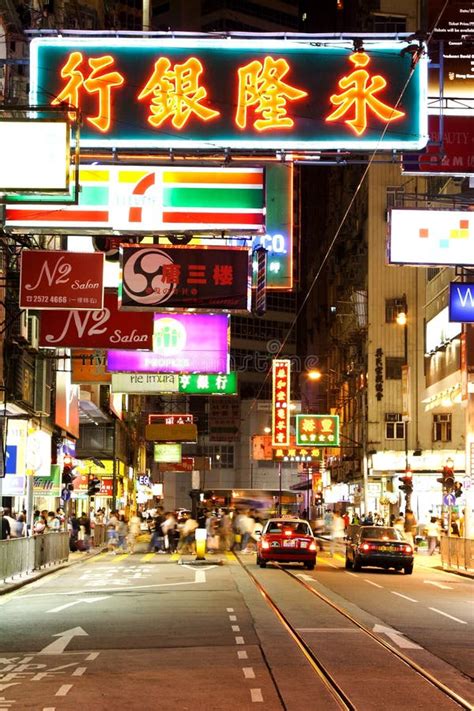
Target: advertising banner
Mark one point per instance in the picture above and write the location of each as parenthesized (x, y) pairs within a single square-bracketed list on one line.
[(66, 414), (262, 450), (38, 452), (14, 482), (450, 150), (251, 94), (145, 199), (89, 367), (431, 237), (189, 384), (171, 433), (321, 430), (461, 302), (49, 486), (201, 278), (182, 343), (173, 419), (185, 465), (281, 402), (109, 328), (61, 280), (170, 453)]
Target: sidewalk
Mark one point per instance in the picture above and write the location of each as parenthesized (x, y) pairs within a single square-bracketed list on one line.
[(20, 581), (434, 561)]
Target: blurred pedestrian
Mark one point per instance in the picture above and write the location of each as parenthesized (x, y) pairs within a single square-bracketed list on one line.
[(134, 530), (122, 532), (53, 524), (433, 532), (337, 531), (4, 526), (188, 538), (410, 527), (168, 528), (19, 527)]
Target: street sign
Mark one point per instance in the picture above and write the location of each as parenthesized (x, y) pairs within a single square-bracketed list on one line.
[(449, 500)]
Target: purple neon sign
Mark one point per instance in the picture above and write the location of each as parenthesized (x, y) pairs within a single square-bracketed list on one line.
[(182, 343)]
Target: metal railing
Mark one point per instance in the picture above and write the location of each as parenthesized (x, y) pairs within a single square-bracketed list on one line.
[(19, 556), (457, 553)]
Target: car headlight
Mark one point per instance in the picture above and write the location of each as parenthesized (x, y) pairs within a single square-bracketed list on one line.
[(265, 544)]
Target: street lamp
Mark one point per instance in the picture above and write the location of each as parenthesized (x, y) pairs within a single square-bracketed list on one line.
[(402, 320)]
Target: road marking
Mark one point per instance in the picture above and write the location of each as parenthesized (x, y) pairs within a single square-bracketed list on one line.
[(60, 644), (147, 556), (405, 597), (438, 585), (235, 628), (440, 612), (92, 656), (121, 557), (77, 602), (229, 609), (199, 576), (63, 690), (248, 672), (305, 577), (371, 582), (256, 696), (49, 708), (232, 618), (175, 556), (242, 654), (79, 671), (239, 640), (396, 637), (349, 573)]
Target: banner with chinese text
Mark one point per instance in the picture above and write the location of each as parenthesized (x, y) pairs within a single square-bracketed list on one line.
[(281, 403), (320, 430)]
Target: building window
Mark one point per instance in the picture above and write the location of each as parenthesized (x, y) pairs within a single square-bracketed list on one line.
[(394, 426), (431, 272), (395, 195), (393, 368), (442, 427), (388, 23)]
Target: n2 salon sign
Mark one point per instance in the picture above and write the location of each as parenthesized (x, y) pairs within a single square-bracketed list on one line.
[(108, 328), (461, 302), (61, 280), (201, 278)]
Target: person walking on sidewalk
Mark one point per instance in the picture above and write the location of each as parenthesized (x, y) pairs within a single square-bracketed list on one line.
[(433, 532), (337, 531)]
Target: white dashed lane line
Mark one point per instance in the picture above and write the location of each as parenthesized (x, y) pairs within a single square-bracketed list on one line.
[(445, 614), (79, 671), (93, 655), (235, 628), (230, 609), (376, 585), (232, 618), (405, 597), (239, 640), (248, 672), (64, 689), (256, 695), (241, 654)]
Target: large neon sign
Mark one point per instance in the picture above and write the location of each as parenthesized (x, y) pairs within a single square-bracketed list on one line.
[(235, 93)]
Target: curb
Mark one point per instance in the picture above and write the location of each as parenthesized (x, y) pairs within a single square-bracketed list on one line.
[(44, 572)]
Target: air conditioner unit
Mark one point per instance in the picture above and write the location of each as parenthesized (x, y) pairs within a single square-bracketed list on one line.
[(33, 332), (20, 327)]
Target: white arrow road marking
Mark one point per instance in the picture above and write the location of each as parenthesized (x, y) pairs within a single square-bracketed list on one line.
[(440, 612), (396, 637), (60, 644), (438, 585), (305, 577), (78, 602)]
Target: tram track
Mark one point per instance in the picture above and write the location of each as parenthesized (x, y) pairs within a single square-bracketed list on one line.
[(342, 697)]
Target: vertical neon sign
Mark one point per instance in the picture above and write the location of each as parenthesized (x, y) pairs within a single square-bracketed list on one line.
[(281, 403)]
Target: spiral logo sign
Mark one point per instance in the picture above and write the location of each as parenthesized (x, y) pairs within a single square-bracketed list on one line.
[(144, 278)]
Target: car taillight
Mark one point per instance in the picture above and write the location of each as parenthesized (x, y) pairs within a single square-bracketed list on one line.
[(408, 549), (312, 546), (265, 544), (365, 547)]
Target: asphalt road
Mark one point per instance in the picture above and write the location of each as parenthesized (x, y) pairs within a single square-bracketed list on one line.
[(144, 632)]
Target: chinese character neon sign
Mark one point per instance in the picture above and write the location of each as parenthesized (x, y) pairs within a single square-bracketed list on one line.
[(281, 403), (251, 94), (317, 430)]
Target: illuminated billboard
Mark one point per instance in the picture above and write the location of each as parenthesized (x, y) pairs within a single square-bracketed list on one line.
[(319, 430), (461, 302), (182, 343), (140, 198), (431, 237), (245, 94), (281, 371)]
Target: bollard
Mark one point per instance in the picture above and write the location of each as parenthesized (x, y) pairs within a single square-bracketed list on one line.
[(201, 538)]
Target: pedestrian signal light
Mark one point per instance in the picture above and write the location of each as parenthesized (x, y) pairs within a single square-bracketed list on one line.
[(93, 486), (447, 480), (67, 475)]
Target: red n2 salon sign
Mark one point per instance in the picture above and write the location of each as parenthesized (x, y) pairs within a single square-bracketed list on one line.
[(106, 329), (201, 278), (61, 280)]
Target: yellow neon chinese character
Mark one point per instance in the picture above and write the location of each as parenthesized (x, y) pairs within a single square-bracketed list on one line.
[(176, 93), (360, 95), (261, 86), (308, 425), (96, 82)]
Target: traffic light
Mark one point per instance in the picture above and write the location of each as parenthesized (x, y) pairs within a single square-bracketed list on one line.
[(67, 475), (318, 498), (457, 489), (407, 483), (93, 486), (447, 480)]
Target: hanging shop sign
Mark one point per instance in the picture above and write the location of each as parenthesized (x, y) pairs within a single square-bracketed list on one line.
[(262, 450), (170, 453), (144, 198), (450, 150), (109, 328), (49, 486), (171, 433), (320, 430), (207, 93), (89, 367), (431, 237), (189, 384), (174, 419), (66, 413), (281, 402), (182, 343), (14, 482), (38, 452), (185, 465), (201, 278), (461, 302), (61, 280)]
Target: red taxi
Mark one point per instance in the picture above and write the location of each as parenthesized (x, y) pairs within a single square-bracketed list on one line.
[(287, 540)]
